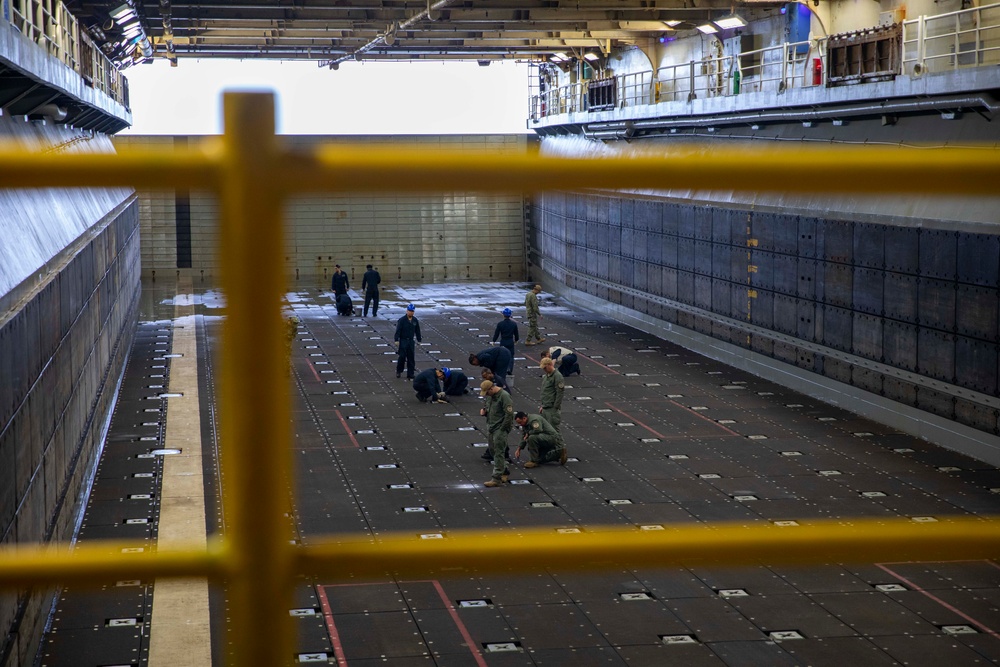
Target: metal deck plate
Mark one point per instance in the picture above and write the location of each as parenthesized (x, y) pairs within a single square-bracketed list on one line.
[(624, 433)]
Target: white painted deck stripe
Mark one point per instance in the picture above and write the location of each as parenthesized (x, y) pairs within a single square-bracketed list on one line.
[(179, 625)]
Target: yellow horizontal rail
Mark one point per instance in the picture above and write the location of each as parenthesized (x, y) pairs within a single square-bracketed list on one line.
[(598, 547), (347, 167), (90, 563), (253, 173)]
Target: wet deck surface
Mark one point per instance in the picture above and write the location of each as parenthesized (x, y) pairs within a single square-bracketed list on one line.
[(656, 435)]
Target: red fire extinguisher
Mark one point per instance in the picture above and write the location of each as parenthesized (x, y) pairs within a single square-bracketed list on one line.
[(817, 71)]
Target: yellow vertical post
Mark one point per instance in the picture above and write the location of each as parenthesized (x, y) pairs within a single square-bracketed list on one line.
[(254, 397)]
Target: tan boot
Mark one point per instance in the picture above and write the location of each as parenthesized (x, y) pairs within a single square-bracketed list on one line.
[(492, 483), (504, 479), (563, 456), (530, 464)]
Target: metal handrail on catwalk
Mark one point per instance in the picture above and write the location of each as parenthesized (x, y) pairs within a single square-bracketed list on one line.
[(253, 173)]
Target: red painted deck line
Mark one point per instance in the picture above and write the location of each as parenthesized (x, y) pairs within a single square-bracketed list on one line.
[(954, 610), (312, 367), (331, 627), (598, 363), (710, 421), (347, 428), (338, 648), (628, 416), (477, 656)]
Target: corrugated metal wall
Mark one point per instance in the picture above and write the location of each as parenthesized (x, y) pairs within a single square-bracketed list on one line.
[(62, 351), (407, 237), (826, 294)]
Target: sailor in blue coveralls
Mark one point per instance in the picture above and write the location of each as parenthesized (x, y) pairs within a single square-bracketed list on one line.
[(407, 328), (497, 359), (507, 332)]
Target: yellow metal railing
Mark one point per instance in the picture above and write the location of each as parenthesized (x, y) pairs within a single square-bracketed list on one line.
[(253, 173)]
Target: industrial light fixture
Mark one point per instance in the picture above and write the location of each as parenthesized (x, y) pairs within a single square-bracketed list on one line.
[(132, 30), (708, 28), (591, 56), (673, 23), (730, 22), (122, 12), (558, 57)]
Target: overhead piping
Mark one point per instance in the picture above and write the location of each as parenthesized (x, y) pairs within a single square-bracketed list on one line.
[(168, 32), (427, 14)]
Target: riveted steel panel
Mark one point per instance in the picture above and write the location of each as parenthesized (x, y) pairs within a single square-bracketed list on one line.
[(899, 345), (936, 354), (668, 252), (703, 292), (867, 336), (669, 282), (639, 275), (786, 274), (603, 237), (807, 237), (722, 261), (977, 415), (938, 254), (685, 254), (760, 270), (669, 215), (900, 390), (936, 304), (628, 242), (741, 221), (640, 247), (654, 279), (703, 324), (741, 306), (838, 240), (603, 204), (740, 263), (786, 352), (589, 203), (837, 327), (685, 221), (722, 225), (901, 297), (868, 286), (761, 306), (614, 267), (654, 249), (936, 402), (626, 213), (837, 369), (721, 297), (806, 309), (685, 287), (614, 240), (776, 232), (867, 379), (703, 223), (976, 312), (703, 257), (976, 365), (786, 314), (654, 217), (806, 272), (625, 271), (602, 266), (868, 245), (979, 259), (838, 285)]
